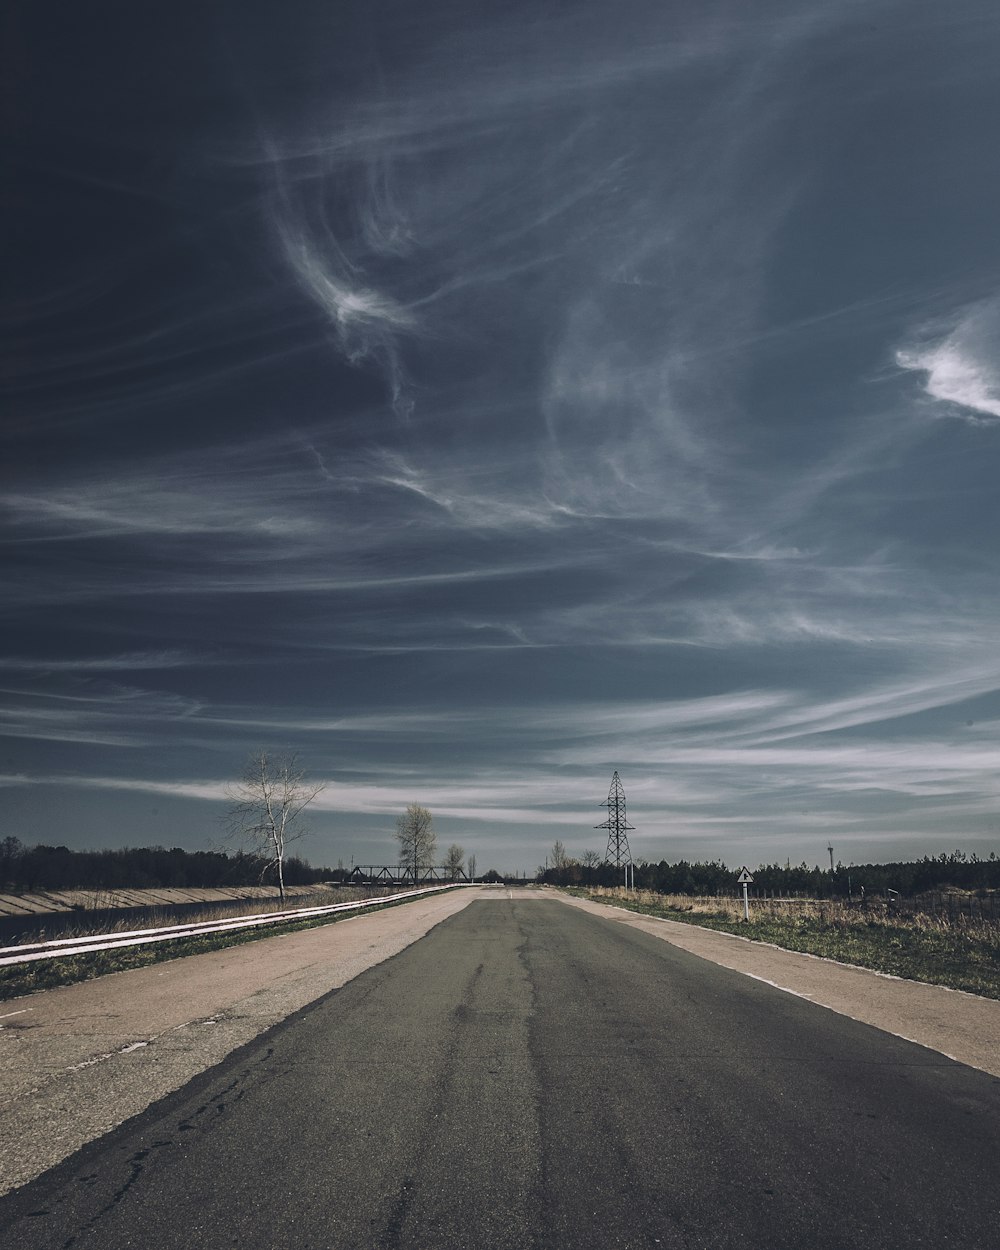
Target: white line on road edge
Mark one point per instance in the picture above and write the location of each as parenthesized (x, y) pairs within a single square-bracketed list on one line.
[(842, 1011), (61, 948), (778, 986)]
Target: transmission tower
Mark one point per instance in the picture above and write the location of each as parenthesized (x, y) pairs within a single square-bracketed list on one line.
[(616, 824)]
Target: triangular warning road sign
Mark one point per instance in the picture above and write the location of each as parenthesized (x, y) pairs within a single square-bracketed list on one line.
[(744, 878)]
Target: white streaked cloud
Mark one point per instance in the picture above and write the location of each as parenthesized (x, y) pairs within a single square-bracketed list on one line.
[(213, 791), (794, 760), (116, 715), (367, 322), (962, 368), (802, 787), (506, 399), (126, 661), (889, 701), (135, 505)]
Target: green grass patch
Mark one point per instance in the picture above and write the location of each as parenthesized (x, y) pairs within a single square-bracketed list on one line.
[(46, 974), (960, 957)]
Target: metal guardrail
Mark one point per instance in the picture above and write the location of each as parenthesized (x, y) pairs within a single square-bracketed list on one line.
[(61, 948)]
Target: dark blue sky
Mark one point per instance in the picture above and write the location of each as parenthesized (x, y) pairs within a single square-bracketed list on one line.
[(479, 398)]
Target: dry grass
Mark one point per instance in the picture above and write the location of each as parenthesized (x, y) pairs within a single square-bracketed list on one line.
[(834, 912), (961, 953)]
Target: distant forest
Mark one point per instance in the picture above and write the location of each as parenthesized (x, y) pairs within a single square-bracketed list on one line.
[(28, 868), (956, 870)]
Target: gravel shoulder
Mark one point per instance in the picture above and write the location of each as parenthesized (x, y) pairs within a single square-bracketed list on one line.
[(962, 1026), (78, 1060)]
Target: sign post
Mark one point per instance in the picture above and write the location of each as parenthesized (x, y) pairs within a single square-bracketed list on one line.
[(744, 879)]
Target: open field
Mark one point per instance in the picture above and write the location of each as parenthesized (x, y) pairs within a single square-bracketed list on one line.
[(960, 954)]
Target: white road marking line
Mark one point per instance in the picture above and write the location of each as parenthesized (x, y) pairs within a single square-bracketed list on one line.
[(777, 985)]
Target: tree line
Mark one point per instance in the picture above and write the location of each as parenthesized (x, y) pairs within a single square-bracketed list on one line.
[(42, 867), (950, 869)]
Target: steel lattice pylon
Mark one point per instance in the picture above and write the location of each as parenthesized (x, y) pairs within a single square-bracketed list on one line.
[(618, 852)]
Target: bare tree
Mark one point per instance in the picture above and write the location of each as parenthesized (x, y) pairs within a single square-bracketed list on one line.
[(559, 858), (454, 860), (472, 868), (590, 859), (416, 837), (266, 804)]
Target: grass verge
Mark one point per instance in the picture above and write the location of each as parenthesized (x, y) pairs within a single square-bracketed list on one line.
[(46, 974), (917, 948)]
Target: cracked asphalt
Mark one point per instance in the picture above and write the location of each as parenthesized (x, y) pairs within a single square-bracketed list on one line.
[(535, 1075), (77, 1061)]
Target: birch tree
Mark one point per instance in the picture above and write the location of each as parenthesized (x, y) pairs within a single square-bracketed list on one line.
[(265, 806), (416, 838)]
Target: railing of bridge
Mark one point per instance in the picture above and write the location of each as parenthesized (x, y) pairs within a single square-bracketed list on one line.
[(402, 874)]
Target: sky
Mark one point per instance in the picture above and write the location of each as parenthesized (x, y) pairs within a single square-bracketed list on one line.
[(478, 398)]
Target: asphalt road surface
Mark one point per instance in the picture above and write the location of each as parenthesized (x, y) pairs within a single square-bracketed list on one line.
[(530, 1075)]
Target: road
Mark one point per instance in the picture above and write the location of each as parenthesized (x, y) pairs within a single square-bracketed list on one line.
[(77, 1061), (531, 1075)]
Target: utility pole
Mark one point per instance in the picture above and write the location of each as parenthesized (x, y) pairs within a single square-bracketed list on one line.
[(830, 849), (618, 852)]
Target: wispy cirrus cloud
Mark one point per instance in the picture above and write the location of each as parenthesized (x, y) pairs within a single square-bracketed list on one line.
[(961, 367), (211, 791), (123, 716), (503, 398), (367, 322), (126, 661), (134, 504)]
